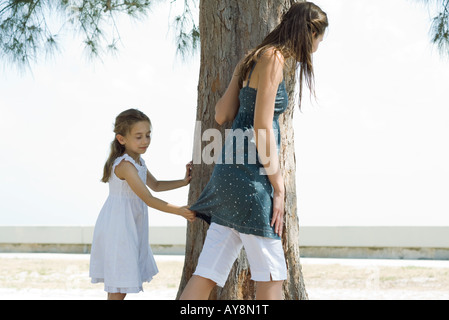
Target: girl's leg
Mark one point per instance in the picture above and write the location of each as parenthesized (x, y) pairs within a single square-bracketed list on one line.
[(116, 296), (198, 288), (267, 263), (269, 290), (220, 249)]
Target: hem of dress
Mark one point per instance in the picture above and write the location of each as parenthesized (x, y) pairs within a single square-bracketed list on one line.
[(247, 230), (121, 289)]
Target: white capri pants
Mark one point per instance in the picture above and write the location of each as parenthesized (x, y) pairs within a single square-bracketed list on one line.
[(222, 246)]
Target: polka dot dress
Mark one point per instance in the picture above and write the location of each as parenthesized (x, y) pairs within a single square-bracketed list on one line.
[(239, 194)]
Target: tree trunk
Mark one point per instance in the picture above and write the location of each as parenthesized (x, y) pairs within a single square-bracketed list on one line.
[(229, 29)]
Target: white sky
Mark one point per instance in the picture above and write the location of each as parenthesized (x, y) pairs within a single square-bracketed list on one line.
[(372, 151)]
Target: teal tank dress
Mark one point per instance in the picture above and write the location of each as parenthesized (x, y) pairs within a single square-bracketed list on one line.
[(239, 194)]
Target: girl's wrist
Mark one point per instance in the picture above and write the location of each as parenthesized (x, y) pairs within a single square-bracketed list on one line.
[(278, 184)]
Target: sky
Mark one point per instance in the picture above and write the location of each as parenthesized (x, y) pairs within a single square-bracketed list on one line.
[(371, 150)]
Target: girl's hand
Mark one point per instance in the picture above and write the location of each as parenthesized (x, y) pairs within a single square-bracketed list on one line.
[(278, 212), (186, 213), (188, 175)]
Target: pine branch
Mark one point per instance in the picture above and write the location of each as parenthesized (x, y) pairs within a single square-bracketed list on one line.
[(439, 29), (25, 33), (186, 31)]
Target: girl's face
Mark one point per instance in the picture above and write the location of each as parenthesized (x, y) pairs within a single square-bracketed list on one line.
[(137, 140), (316, 42)]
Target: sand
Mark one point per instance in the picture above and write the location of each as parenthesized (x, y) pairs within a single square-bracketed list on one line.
[(65, 277)]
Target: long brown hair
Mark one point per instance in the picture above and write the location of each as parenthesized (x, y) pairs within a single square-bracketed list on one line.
[(123, 125), (293, 37)]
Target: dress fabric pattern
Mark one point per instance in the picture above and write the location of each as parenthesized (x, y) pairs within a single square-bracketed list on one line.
[(239, 194), (121, 256)]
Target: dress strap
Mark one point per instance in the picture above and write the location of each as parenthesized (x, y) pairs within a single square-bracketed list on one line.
[(250, 73)]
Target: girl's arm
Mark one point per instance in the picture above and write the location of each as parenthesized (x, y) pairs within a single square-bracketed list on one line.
[(270, 75), (126, 171), (157, 185), (228, 105)]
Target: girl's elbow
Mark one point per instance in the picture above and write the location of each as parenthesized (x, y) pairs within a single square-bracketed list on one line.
[(219, 118), (154, 186), (149, 200)]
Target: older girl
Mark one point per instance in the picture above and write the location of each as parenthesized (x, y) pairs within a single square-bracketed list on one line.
[(245, 202)]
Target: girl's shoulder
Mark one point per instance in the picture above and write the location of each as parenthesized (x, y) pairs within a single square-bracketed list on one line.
[(270, 65), (126, 157), (124, 163), (272, 56)]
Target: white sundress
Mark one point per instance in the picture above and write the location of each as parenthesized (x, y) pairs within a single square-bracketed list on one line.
[(121, 256)]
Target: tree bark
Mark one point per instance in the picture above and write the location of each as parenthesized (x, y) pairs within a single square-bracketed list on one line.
[(229, 29)]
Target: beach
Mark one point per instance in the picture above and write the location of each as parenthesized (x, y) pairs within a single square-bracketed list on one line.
[(42, 276)]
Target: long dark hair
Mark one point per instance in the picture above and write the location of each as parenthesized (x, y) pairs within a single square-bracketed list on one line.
[(123, 124), (293, 37)]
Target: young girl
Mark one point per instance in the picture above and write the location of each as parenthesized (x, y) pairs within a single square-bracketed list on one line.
[(244, 206), (121, 256)]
